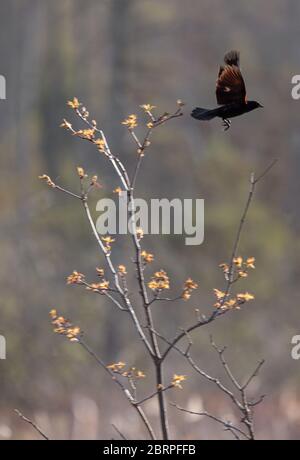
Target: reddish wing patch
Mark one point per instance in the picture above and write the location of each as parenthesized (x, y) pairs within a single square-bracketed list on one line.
[(230, 85)]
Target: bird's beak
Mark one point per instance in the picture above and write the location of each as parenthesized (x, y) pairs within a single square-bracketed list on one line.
[(261, 106)]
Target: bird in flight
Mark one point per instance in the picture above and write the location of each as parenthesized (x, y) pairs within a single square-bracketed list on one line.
[(230, 93)]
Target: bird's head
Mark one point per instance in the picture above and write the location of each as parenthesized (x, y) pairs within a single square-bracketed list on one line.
[(254, 105)]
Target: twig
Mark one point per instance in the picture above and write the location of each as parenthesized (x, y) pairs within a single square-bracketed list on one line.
[(117, 284), (125, 390), (119, 432), (227, 425), (117, 164), (61, 189), (155, 393), (224, 364), (243, 405), (191, 328), (156, 354), (216, 381), (142, 147), (253, 375), (148, 334), (33, 424), (253, 182)]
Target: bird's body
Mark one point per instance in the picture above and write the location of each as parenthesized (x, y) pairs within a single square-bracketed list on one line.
[(230, 93)]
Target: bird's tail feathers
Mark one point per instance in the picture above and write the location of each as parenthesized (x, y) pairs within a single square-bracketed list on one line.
[(204, 114)]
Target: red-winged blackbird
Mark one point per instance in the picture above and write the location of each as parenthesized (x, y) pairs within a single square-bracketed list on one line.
[(230, 92)]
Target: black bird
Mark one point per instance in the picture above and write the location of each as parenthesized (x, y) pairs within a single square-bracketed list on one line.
[(230, 93)]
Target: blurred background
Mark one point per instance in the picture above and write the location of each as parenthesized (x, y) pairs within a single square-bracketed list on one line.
[(115, 55)]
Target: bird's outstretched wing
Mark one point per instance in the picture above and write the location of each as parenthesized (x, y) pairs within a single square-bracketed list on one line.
[(230, 83), (232, 58)]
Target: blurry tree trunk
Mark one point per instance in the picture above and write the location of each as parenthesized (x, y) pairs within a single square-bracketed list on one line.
[(57, 66), (119, 27), (23, 81), (120, 15)]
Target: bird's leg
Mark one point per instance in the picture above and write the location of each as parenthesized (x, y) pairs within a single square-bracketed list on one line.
[(226, 124)]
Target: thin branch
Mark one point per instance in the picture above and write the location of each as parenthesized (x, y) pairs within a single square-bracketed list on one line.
[(200, 323), (155, 351), (253, 182), (117, 164), (217, 382), (164, 299), (106, 292), (266, 171), (142, 148), (156, 354), (114, 300), (61, 189), (227, 425), (253, 375), (117, 284), (33, 424), (167, 117), (257, 402), (119, 432), (225, 365), (151, 342), (125, 390), (106, 253), (243, 405), (152, 395)]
